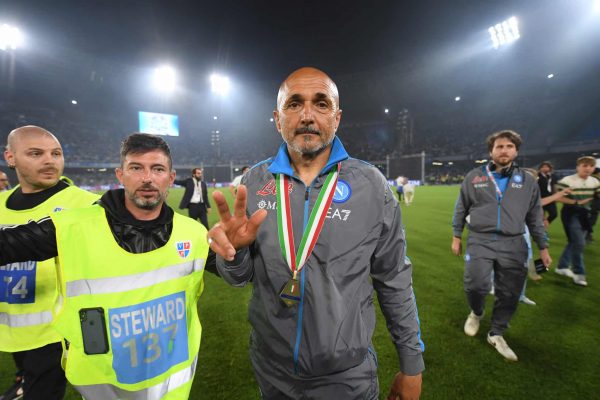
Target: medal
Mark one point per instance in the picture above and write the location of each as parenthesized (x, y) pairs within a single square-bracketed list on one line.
[(290, 293)]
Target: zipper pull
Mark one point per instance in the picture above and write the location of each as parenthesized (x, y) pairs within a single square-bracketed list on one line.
[(306, 195)]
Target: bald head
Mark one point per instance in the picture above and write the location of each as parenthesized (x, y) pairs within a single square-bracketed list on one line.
[(17, 136), (37, 157), (304, 76)]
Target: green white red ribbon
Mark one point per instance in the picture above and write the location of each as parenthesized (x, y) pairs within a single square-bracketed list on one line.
[(315, 222)]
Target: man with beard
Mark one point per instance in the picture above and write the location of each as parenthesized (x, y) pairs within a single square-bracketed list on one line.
[(131, 261), (28, 288), (195, 197), (330, 233), (496, 202)]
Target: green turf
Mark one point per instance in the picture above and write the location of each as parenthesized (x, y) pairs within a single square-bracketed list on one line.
[(556, 341)]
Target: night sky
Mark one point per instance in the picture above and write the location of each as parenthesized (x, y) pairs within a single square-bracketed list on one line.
[(416, 54)]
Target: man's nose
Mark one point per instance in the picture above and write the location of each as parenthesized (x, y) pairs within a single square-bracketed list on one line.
[(307, 113), (147, 176)]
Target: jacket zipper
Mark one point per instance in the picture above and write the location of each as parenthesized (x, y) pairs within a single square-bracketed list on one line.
[(301, 304)]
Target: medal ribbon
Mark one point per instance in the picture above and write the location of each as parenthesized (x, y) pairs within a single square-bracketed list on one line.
[(491, 176), (315, 222)]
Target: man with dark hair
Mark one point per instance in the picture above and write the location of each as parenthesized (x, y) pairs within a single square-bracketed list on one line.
[(496, 202), (546, 182), (195, 197), (333, 238), (28, 288), (130, 273), (575, 216)]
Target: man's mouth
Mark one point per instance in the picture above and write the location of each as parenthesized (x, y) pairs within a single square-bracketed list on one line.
[(310, 131)]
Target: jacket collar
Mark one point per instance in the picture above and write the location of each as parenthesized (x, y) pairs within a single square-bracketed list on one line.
[(281, 162)]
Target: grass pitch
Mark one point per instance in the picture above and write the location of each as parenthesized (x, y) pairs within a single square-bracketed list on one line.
[(556, 341)]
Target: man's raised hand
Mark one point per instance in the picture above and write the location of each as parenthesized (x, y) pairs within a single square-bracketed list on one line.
[(236, 231)]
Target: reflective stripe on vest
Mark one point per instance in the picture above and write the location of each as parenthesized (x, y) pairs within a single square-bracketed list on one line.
[(28, 289), (156, 392), (22, 320), (131, 282)]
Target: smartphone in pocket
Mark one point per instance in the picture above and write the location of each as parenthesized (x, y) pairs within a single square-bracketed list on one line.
[(93, 330)]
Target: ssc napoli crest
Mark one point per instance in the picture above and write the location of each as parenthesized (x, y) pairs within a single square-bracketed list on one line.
[(183, 248), (342, 192), (517, 178)]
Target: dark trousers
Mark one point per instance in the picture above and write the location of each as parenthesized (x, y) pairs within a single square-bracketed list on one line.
[(43, 374), (507, 258), (551, 210), (198, 211)]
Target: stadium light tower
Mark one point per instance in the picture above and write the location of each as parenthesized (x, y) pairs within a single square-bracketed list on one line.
[(505, 32), (220, 84), (165, 79), (11, 37)]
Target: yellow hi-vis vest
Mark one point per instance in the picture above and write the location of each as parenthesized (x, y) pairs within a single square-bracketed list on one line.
[(149, 301), (28, 289)]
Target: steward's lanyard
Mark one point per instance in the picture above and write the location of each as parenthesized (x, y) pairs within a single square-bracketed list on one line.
[(491, 176), (315, 221)]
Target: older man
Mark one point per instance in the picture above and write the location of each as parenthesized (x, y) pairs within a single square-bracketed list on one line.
[(330, 232)]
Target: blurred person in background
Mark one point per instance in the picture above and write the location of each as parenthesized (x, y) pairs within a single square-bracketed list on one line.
[(575, 216), (4, 183), (546, 182), (195, 197), (28, 289), (595, 207), (237, 180), (409, 192)]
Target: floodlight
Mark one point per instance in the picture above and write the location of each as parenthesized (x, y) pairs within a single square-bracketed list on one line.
[(457, 98), (165, 79), (504, 32), (10, 37), (74, 102), (219, 84), (387, 111), (215, 117), (270, 119), (550, 76)]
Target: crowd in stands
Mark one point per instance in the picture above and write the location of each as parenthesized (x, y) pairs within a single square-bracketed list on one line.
[(92, 141)]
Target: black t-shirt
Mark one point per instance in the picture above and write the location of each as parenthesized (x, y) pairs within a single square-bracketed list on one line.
[(20, 201)]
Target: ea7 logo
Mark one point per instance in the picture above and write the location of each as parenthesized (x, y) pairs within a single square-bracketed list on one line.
[(271, 188), (183, 248), (336, 213)]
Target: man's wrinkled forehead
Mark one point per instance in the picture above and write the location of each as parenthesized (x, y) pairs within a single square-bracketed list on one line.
[(305, 78)]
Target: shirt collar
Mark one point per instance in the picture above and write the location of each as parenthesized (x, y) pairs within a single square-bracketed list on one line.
[(281, 162)]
